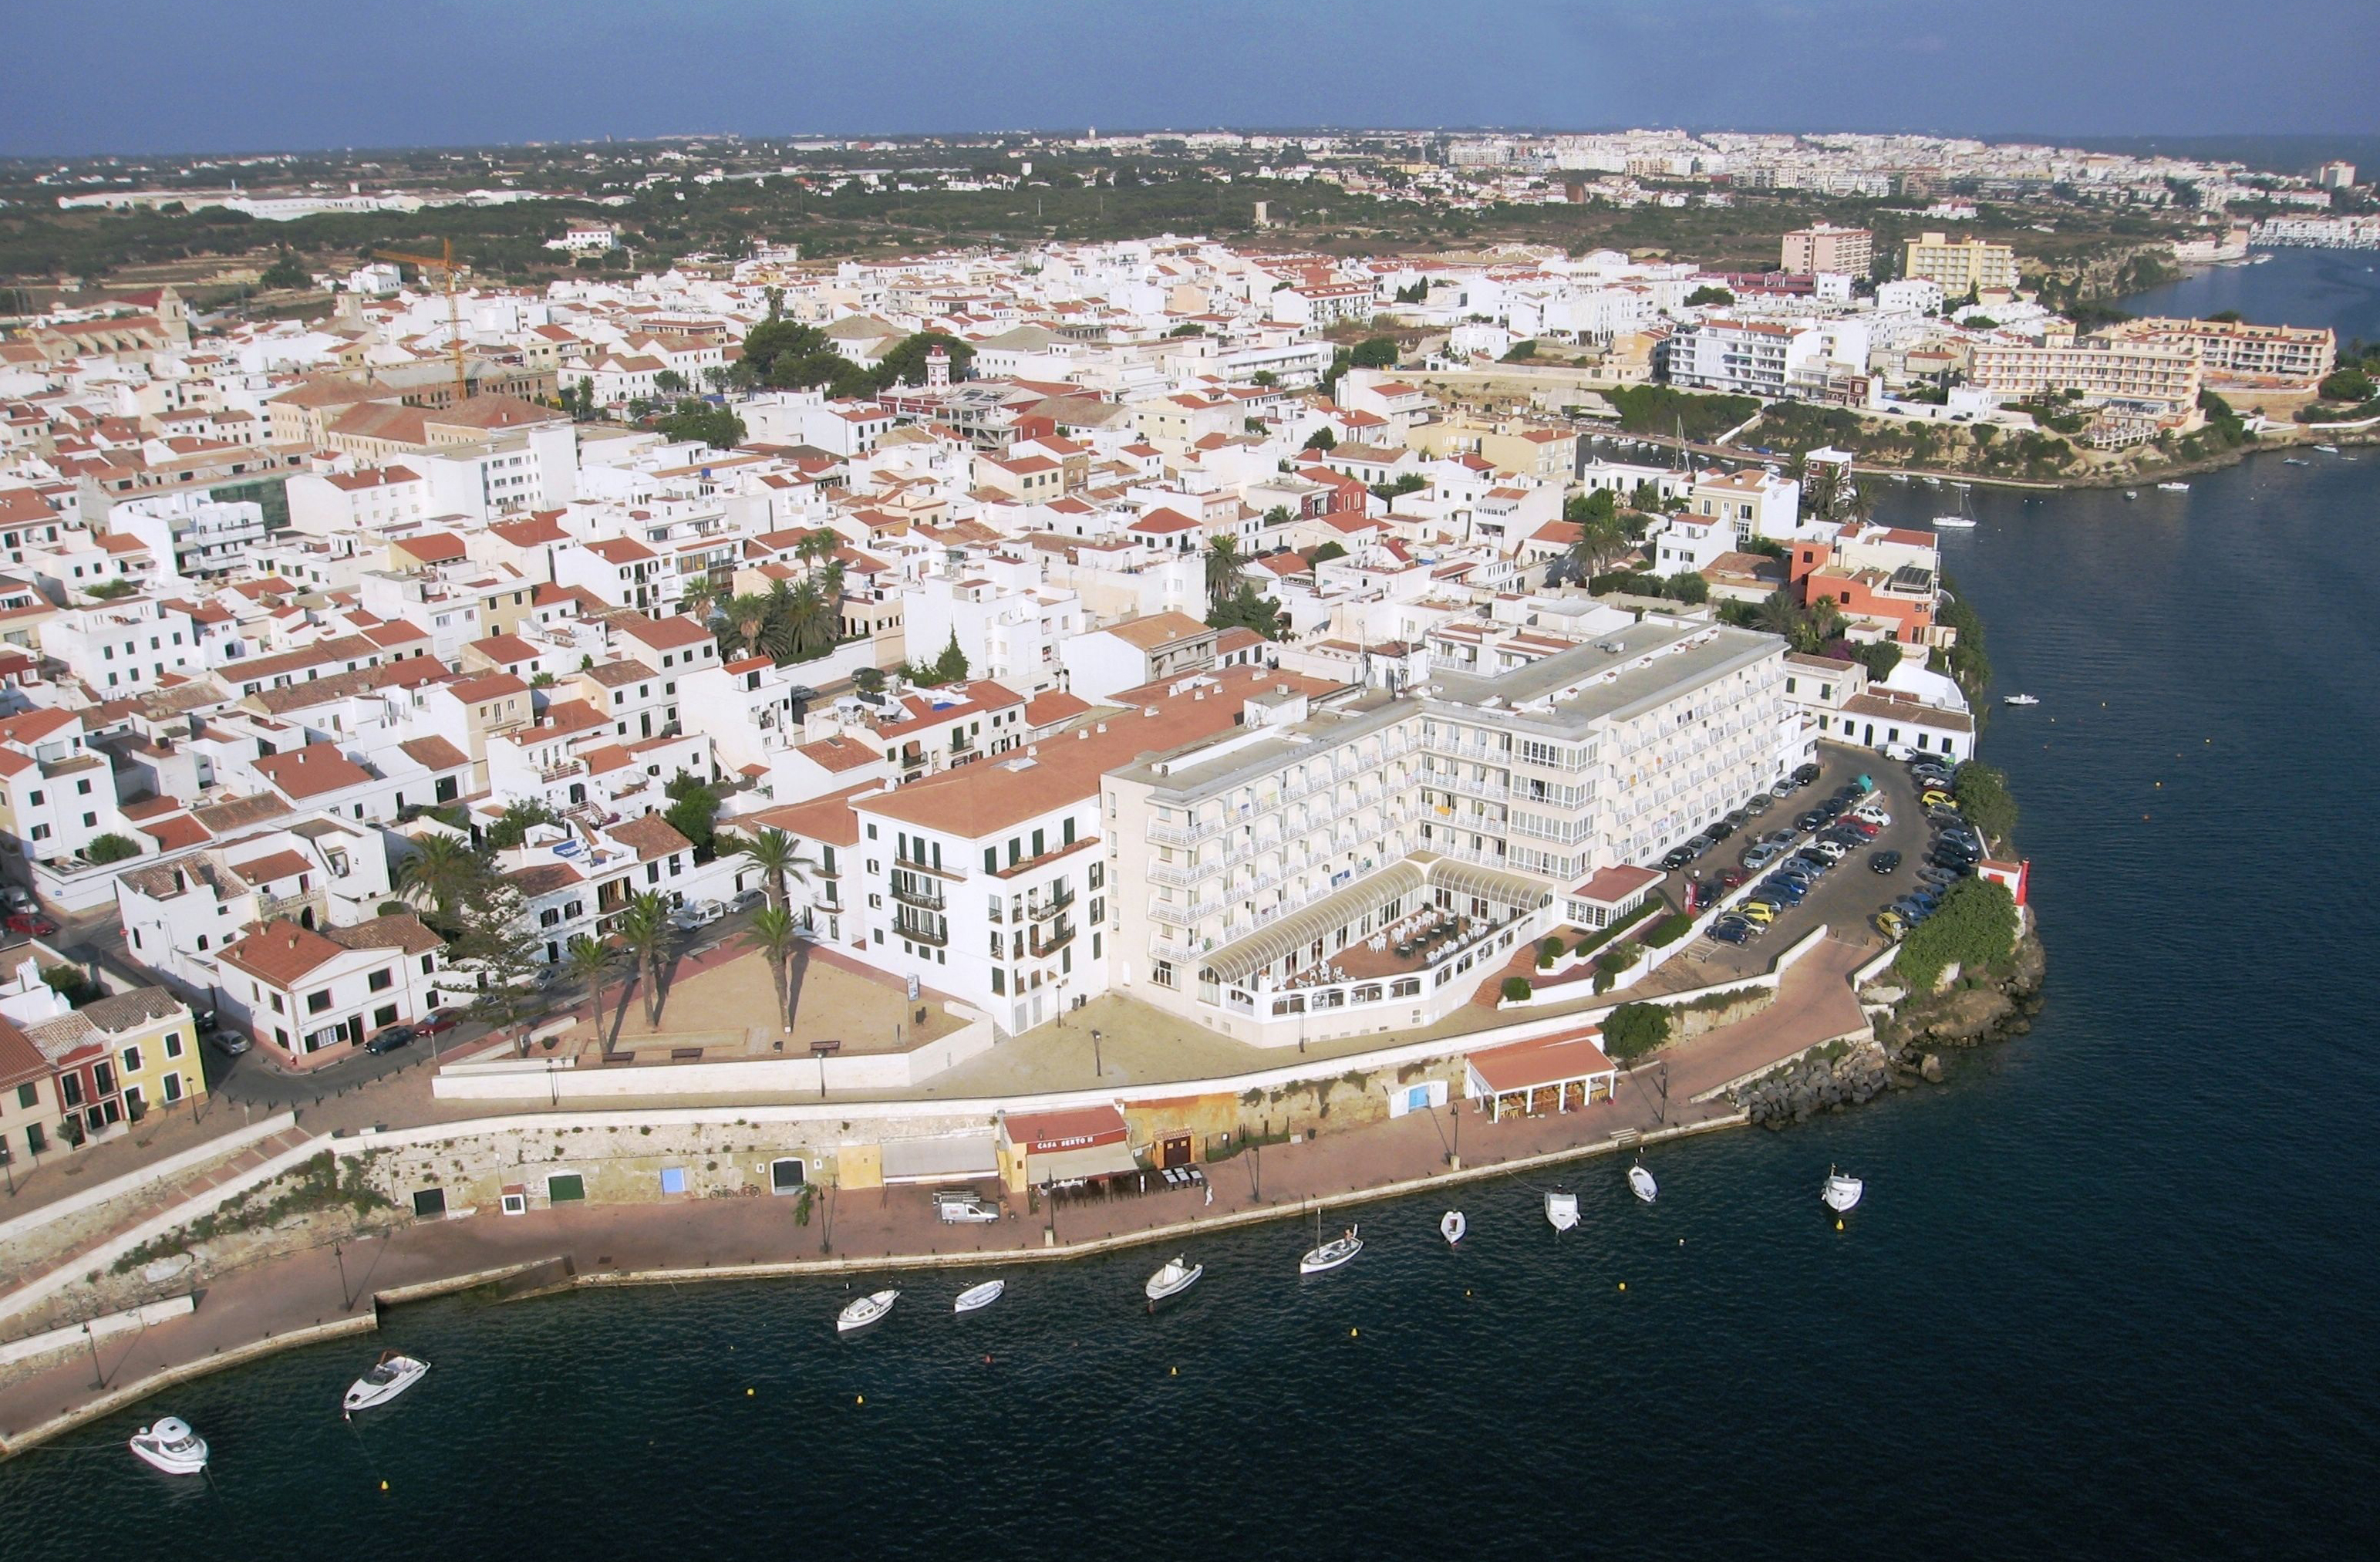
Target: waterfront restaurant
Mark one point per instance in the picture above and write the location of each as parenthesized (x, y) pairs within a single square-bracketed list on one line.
[(1069, 1148), (1559, 1073)]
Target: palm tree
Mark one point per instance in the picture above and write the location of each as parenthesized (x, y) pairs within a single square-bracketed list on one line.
[(773, 933), (817, 546), (1224, 568), (697, 601), (1781, 615), (589, 960), (645, 931), (775, 854), (747, 615), (441, 875)]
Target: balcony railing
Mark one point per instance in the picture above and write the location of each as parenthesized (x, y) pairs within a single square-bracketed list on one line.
[(1041, 910), (919, 893), (921, 932), (1049, 940)]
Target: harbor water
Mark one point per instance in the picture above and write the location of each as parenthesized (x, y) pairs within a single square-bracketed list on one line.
[(2111, 1292)]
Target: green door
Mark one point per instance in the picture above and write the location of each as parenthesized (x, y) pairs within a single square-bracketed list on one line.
[(564, 1189)]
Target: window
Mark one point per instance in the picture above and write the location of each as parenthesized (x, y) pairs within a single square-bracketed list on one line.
[(673, 1180), (83, 789), (385, 1015), (173, 1044), (992, 859), (1036, 843), (316, 1002), (276, 1005), (429, 1204), (1067, 838), (173, 1089), (132, 1060), (28, 1096), (429, 964), (378, 980), (565, 1187), (1097, 876), (999, 982)]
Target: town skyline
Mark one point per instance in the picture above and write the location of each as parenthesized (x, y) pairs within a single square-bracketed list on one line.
[(537, 73)]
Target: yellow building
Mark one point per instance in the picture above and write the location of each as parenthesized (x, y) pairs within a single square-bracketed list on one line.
[(1970, 264)]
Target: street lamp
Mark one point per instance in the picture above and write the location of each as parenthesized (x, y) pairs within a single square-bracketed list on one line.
[(1099, 1068), (338, 1253)]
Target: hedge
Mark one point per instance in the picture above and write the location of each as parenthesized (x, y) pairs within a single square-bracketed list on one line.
[(1633, 1030), (1601, 936), (1516, 989), (1974, 928), (1669, 929)]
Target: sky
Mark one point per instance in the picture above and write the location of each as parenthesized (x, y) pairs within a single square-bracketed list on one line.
[(178, 76)]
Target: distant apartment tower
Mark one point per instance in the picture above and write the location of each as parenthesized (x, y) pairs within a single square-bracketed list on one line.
[(2335, 175), (1970, 264), (1845, 251)]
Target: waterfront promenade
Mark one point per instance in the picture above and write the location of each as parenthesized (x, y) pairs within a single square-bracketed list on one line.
[(320, 1293)]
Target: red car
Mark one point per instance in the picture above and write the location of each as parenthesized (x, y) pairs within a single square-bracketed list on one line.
[(438, 1021), (33, 924)]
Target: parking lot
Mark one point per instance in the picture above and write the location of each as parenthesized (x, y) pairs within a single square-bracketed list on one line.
[(1844, 900)]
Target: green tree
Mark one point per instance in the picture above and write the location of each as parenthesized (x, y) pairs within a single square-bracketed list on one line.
[(1983, 796), (1881, 657), (905, 363), (1973, 928), (288, 272), (1321, 439), (1707, 295), (646, 933), (772, 931), (110, 589), (693, 808), (111, 847), (1374, 352), (590, 963), (513, 825), (950, 667), (1324, 554), (2346, 385), (497, 949), (778, 856), (698, 421), (668, 382), (1687, 587), (1244, 609), (441, 873), (1224, 568)]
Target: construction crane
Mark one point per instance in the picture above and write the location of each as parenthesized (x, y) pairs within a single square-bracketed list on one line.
[(443, 264)]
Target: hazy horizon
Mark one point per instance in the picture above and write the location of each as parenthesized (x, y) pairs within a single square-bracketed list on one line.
[(448, 73)]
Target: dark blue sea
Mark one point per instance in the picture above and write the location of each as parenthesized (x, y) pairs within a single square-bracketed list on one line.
[(2112, 1292)]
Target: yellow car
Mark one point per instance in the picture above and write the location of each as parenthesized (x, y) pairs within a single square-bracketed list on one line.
[(1938, 798), (1888, 923), (1757, 910)]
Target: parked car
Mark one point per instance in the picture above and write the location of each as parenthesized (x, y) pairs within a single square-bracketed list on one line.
[(18, 898), (1760, 856), (1812, 820), (1862, 828), (1676, 857), (1875, 814), (1832, 809), (1937, 876), (231, 1043), (1718, 832), (1738, 817), (1888, 923), (1732, 930), (1791, 891), (1829, 851), (745, 900), (1760, 803), (1806, 774), (1732, 879), (697, 913), (1935, 797), (396, 1036), (1808, 864), (1782, 837), (1758, 910), (33, 924), (438, 1022), (1885, 863)]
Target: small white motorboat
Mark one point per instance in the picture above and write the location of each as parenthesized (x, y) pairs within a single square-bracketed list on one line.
[(1451, 1226), (172, 1446), (1842, 1192), (2173, 488), (390, 1376), (1562, 1210), (866, 1311), (1953, 523), (2327, 449), (2021, 700), (975, 1299), (1332, 1254), (2131, 493), (1641, 1183), (1178, 1275)]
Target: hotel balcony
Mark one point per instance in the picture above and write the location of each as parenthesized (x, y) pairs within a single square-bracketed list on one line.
[(1041, 910), (925, 897), (1048, 941), (921, 930)]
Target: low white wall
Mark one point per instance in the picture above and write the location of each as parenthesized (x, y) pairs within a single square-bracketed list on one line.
[(536, 1079), (72, 1337), (172, 1165)]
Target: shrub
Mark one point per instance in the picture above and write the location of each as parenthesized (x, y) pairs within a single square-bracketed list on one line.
[(1983, 796), (1669, 929), (1552, 948), (1974, 928), (109, 847), (1515, 989), (1545, 961), (1633, 1030)]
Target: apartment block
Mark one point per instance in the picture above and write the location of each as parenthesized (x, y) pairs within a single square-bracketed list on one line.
[(1969, 264)]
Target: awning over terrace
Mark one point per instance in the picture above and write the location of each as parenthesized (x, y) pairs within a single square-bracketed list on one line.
[(1236, 961)]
